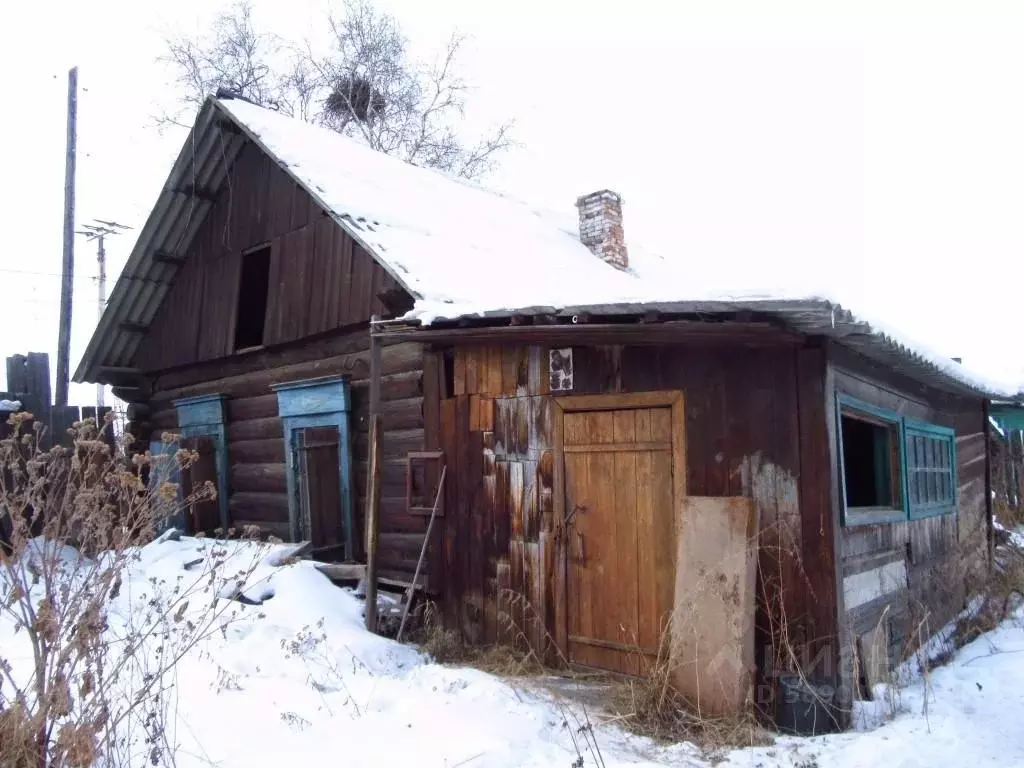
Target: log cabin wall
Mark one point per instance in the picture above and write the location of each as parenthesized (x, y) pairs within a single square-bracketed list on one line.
[(910, 576), (323, 290), (255, 435), (754, 426)]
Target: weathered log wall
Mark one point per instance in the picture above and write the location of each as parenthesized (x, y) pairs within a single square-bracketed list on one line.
[(255, 437)]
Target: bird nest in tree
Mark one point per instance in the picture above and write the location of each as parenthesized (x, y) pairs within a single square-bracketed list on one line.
[(355, 95)]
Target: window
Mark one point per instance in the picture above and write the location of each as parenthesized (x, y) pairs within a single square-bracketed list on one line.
[(931, 475), (870, 474), (893, 468), (253, 288), (871, 466)]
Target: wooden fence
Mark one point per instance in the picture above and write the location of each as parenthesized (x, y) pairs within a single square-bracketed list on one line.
[(28, 382)]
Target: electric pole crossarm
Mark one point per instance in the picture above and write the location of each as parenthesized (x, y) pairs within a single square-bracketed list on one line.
[(98, 231)]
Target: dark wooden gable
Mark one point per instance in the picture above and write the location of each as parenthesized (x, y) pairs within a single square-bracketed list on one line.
[(320, 278)]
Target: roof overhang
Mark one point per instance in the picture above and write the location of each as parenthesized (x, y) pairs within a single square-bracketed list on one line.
[(1008, 416), (201, 167), (200, 171), (188, 195), (808, 317)]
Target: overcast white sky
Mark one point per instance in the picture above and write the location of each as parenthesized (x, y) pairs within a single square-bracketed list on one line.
[(873, 147)]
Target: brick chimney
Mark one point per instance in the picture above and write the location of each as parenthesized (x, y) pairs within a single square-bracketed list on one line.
[(601, 227)]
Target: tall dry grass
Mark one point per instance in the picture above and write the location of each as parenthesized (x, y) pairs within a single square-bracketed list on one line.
[(84, 679)]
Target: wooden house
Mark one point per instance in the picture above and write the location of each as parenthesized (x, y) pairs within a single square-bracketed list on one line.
[(576, 413), (1007, 457)]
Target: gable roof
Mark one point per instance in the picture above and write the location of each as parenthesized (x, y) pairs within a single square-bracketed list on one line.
[(457, 249)]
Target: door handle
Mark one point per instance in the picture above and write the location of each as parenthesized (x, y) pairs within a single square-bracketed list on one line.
[(581, 558)]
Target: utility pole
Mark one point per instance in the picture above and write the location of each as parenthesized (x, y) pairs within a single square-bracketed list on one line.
[(98, 231), (68, 262)]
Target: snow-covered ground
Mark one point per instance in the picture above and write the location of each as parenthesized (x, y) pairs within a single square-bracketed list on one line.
[(298, 681)]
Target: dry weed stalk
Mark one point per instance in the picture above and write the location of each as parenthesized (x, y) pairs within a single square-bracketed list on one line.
[(1009, 515), (446, 646), (84, 681), (979, 594), (646, 704)]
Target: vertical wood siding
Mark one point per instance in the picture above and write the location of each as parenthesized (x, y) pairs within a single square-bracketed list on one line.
[(935, 555), (320, 279), (744, 422)]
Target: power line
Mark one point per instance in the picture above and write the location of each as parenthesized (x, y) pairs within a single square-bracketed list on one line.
[(40, 273), (49, 302)]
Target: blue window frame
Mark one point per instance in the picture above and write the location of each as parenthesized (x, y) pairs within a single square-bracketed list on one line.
[(870, 463), (310, 404), (892, 468), (203, 416), (171, 513)]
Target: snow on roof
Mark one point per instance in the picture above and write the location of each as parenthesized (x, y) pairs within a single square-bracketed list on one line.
[(465, 251), (448, 242)]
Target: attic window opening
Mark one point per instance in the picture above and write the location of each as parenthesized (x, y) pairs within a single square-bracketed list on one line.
[(253, 290)]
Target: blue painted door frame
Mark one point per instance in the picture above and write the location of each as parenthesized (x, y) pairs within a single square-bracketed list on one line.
[(321, 402), (166, 471), (203, 416)]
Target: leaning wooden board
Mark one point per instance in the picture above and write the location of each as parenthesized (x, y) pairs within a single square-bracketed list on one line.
[(712, 650)]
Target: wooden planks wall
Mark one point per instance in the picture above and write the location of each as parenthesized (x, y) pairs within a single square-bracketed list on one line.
[(936, 554), (496, 538), (743, 434), (256, 438), (320, 279)]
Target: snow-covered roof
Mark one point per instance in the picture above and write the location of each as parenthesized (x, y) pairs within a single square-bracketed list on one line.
[(460, 250), (442, 238)]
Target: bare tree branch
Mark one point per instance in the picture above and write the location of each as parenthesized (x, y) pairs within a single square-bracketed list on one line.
[(365, 87)]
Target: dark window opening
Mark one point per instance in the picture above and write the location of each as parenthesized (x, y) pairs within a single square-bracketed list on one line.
[(448, 361), (253, 289), (419, 495), (870, 463), (422, 480)]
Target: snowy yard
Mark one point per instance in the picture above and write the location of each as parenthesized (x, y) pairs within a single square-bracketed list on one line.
[(298, 681)]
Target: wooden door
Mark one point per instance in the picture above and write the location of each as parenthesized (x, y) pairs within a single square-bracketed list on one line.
[(619, 499), (320, 491), (202, 516)]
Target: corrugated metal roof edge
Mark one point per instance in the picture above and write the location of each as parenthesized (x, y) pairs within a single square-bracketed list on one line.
[(817, 316), (171, 224), (111, 345)]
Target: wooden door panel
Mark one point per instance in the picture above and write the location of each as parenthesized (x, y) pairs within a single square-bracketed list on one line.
[(618, 478), (321, 489), (581, 585), (201, 516)]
